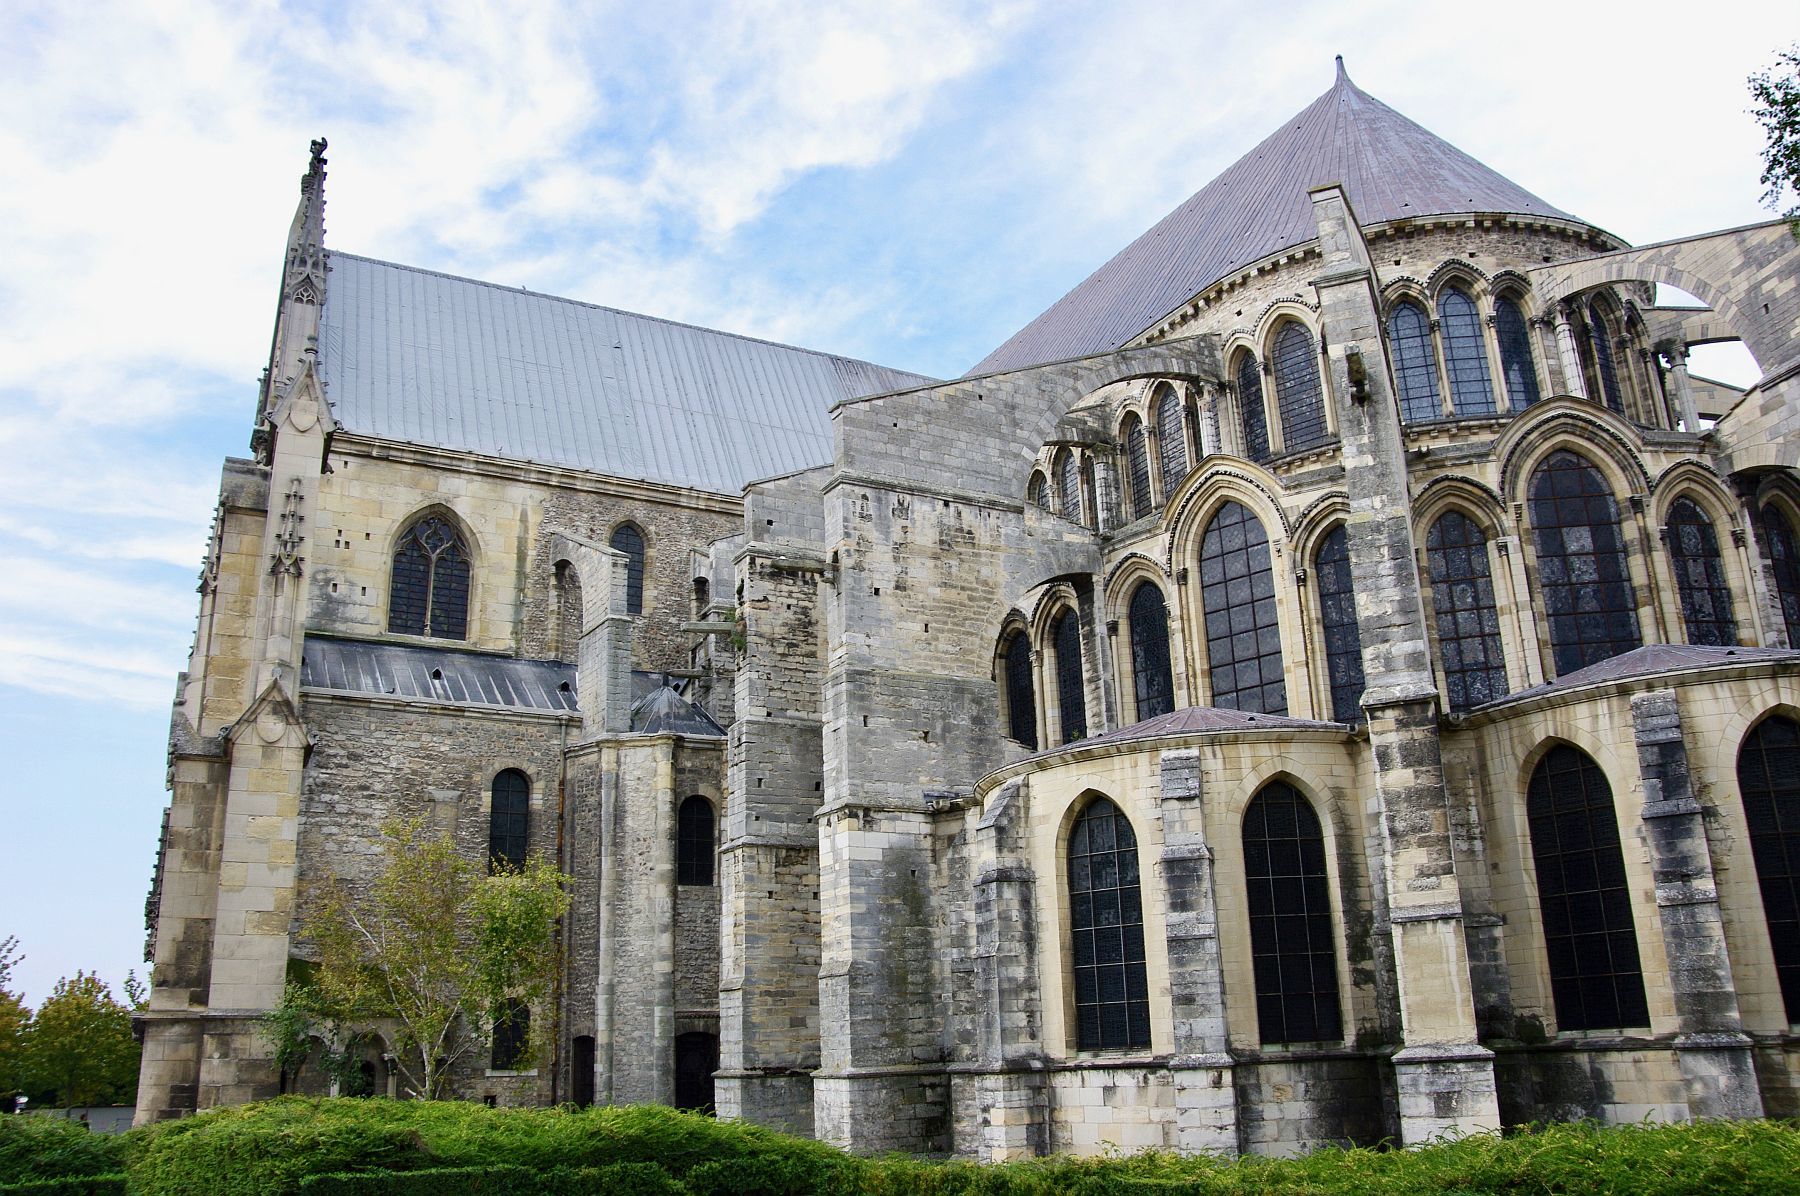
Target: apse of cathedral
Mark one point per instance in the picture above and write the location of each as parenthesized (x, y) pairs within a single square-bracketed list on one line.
[(1330, 678)]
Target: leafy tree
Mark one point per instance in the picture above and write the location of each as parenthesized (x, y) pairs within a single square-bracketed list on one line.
[(79, 1049), (1777, 95), (431, 951), (13, 1018)]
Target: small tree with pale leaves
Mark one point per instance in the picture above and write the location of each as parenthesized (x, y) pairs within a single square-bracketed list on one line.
[(1777, 95)]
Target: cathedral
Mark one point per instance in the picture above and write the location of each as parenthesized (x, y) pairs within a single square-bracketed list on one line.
[(1333, 677)]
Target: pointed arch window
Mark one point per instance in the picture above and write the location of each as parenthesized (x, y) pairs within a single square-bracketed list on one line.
[(1600, 340), (1769, 782), (1415, 363), (1251, 414), (1462, 604), (1237, 591), (1150, 673), (1582, 570), (569, 612), (1037, 492), (1106, 926), (1784, 559), (1337, 618), (1589, 934), (1021, 692), (429, 591), (1171, 439), (1137, 466), (1068, 485), (509, 820), (630, 541), (1289, 898), (1298, 393), (1700, 576), (512, 1037), (1465, 354), (1516, 363), (694, 842), (1071, 695)]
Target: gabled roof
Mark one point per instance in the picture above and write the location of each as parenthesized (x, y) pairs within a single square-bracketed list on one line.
[(414, 356), (1390, 167)]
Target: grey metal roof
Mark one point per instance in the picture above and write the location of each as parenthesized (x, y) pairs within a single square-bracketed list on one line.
[(665, 712), (436, 674), (1649, 661), (425, 358), (1199, 720), (1390, 167)]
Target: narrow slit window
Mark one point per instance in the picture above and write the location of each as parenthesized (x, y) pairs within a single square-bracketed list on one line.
[(1150, 672), (1784, 559), (1600, 339), (630, 541), (1068, 485), (1071, 695), (1106, 927), (694, 842), (509, 821), (1021, 692), (1137, 467), (1292, 952), (1706, 607)]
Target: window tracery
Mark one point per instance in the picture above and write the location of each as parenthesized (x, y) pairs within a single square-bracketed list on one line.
[(429, 588), (1465, 354)]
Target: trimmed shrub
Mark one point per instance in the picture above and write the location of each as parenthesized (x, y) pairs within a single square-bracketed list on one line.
[(38, 1146), (79, 1185), (620, 1179)]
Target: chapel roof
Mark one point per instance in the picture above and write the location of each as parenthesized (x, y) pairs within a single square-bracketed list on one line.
[(419, 357), (1200, 720), (1649, 661), (1390, 167)]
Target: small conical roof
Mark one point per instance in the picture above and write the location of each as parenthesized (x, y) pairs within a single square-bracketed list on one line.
[(1390, 166)]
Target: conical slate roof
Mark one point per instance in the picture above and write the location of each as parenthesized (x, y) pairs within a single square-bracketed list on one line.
[(1391, 167)]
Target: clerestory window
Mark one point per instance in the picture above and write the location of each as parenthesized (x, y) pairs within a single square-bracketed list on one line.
[(1706, 607), (630, 541), (428, 593)]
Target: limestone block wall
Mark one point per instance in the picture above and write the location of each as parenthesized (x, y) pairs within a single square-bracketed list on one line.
[(221, 667)]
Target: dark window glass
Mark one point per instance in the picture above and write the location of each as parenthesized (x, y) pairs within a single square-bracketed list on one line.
[(1021, 693), (1068, 485), (1254, 419), (696, 1059), (1415, 363), (1601, 340), (1150, 652), (694, 846), (1465, 354), (1291, 948), (569, 612), (429, 594), (1297, 390), (1589, 935), (1582, 571), (512, 1037), (1700, 576), (630, 541), (1038, 492), (1462, 603), (1515, 354), (1065, 633), (1137, 467), (1171, 439), (1784, 556), (1106, 925), (1769, 780), (1337, 618), (1237, 590), (509, 820)]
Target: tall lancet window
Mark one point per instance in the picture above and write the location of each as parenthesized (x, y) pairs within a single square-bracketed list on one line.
[(1769, 782), (1237, 590), (1021, 692), (1068, 485), (1462, 603), (1137, 467), (1700, 576), (1298, 392), (1465, 354), (1582, 570), (429, 593), (630, 541), (1071, 694), (1292, 950), (1784, 558), (1150, 673), (1106, 925), (1171, 437), (1337, 619), (1516, 363), (1415, 363), (1251, 415), (1600, 339)]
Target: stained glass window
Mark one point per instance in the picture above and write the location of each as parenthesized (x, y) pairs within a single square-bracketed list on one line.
[(1291, 948), (630, 541), (1415, 363), (1150, 652), (429, 594), (1068, 485), (1337, 618), (1237, 590), (1515, 353), (1021, 692), (1700, 576), (1462, 603), (1769, 781), (694, 846), (1037, 493), (1071, 696), (1601, 341), (1171, 438), (1589, 934), (1137, 467), (1254, 419), (509, 820), (1582, 570), (1297, 389), (1465, 354), (1784, 556), (1106, 925)]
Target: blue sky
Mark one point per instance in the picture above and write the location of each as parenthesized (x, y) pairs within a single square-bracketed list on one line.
[(903, 182)]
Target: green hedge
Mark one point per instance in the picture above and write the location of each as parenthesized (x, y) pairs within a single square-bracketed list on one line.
[(37, 1146), (77, 1185), (620, 1179)]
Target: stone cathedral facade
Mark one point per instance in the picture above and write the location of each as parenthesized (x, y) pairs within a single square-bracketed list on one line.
[(1332, 677)]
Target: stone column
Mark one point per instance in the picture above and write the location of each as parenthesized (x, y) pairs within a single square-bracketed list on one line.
[(1108, 504), (1210, 442), (1202, 1066), (1011, 1079), (1445, 1077), (1567, 354), (1713, 1050), (1677, 354)]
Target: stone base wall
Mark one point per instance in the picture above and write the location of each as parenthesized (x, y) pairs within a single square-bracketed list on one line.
[(1778, 1077), (1094, 1109), (1293, 1105), (891, 1110), (1618, 1083)]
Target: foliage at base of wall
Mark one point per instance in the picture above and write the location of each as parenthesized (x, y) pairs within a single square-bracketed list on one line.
[(79, 1185)]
